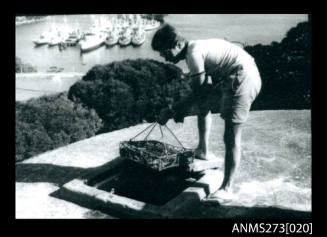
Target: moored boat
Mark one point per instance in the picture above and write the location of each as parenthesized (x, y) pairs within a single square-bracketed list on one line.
[(91, 42), (56, 40), (73, 38), (125, 37), (138, 37), (111, 39), (42, 40), (92, 31), (124, 40)]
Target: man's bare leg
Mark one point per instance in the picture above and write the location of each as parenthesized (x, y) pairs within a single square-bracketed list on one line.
[(232, 139), (204, 127)]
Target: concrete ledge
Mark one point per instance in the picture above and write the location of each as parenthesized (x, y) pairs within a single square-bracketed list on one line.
[(193, 194), (79, 192), (201, 165)]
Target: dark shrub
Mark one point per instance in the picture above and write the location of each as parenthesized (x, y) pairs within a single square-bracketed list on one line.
[(31, 139), (127, 92), (49, 122), (285, 70)]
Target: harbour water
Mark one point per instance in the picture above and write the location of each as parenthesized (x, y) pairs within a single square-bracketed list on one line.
[(246, 28)]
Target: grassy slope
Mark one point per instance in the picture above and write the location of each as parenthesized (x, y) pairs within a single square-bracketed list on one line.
[(275, 168)]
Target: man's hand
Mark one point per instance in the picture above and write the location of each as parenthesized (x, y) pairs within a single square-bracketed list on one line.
[(164, 116), (178, 118)]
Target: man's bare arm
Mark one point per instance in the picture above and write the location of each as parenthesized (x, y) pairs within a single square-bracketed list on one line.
[(199, 91)]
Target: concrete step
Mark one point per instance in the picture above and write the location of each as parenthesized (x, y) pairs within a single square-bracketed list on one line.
[(200, 165)]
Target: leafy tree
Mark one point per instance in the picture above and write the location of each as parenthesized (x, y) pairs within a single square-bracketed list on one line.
[(49, 122), (126, 93), (285, 70)]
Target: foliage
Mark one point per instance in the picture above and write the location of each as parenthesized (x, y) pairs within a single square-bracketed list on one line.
[(285, 69), (126, 93), (49, 122)]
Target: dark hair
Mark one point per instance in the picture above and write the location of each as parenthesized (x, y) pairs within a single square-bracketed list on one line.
[(165, 38)]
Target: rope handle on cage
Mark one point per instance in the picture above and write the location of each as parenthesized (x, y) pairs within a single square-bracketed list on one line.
[(152, 126)]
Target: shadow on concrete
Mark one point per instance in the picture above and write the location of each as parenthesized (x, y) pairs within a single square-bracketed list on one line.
[(29, 173), (203, 210), (202, 185), (41, 172)]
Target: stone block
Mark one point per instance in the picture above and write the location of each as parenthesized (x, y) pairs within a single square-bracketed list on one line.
[(201, 165)]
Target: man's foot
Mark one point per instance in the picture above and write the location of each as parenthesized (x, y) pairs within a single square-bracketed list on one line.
[(199, 154), (220, 196)]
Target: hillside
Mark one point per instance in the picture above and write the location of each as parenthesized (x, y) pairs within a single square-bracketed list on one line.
[(33, 85), (275, 170)]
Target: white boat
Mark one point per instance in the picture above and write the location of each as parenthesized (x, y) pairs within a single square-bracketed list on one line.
[(73, 38), (111, 39), (124, 40), (71, 41), (91, 42), (55, 40), (42, 40), (125, 37), (138, 37), (75, 34), (92, 31)]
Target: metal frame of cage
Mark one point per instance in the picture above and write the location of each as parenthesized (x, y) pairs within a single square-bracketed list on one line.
[(171, 156)]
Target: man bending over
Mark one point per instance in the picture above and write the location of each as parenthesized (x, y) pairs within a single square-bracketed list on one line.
[(213, 63)]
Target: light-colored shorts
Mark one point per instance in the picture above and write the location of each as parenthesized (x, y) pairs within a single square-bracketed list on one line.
[(239, 90)]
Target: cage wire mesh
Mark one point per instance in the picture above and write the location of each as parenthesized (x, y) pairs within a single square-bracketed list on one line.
[(155, 150)]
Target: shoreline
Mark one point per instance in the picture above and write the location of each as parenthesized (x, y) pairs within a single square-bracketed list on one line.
[(56, 83), (35, 74), (30, 21)]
